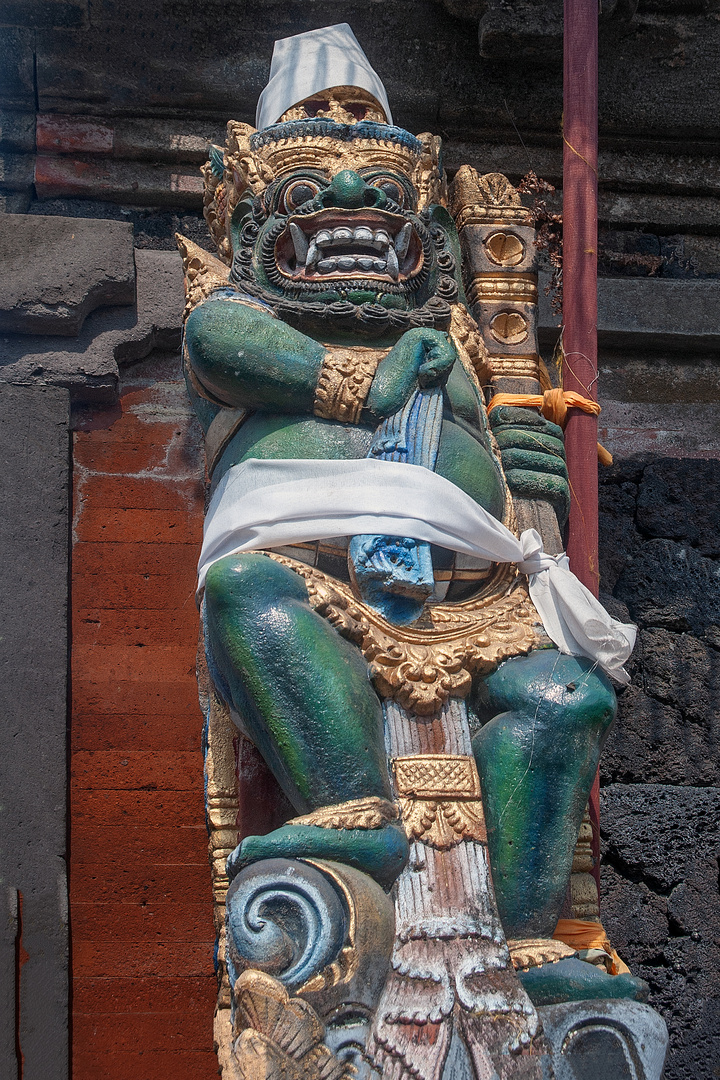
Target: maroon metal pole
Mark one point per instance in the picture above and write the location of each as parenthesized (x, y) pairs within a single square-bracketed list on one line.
[(580, 159), (580, 127)]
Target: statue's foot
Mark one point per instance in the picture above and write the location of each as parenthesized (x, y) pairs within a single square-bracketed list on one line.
[(381, 853), (576, 980)]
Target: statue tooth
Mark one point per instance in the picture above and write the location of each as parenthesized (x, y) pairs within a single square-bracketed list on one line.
[(380, 265), (402, 240), (342, 235), (346, 262), (300, 243), (312, 255), (326, 266), (323, 237), (392, 264), (382, 238), (363, 234), (365, 262)]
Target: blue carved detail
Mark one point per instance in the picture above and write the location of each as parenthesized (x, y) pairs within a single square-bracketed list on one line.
[(316, 126), (286, 918), (395, 574)]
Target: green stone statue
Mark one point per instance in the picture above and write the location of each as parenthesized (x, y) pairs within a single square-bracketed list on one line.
[(367, 613)]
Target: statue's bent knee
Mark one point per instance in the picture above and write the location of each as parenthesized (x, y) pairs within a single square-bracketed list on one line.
[(537, 760)]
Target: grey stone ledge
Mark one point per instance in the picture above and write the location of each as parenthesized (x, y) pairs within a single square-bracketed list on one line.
[(88, 364), (642, 312), (55, 270)]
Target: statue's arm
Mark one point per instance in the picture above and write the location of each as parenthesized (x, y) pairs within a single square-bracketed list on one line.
[(250, 360)]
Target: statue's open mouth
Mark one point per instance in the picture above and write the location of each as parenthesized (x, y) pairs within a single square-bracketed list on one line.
[(333, 244)]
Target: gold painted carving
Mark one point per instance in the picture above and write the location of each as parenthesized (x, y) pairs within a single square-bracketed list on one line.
[(429, 184), (528, 953), (203, 273), (278, 1037), (437, 776), (338, 98), (221, 808), (583, 861), (583, 886), (504, 248), (243, 165), (519, 288), (248, 169), (344, 382), (516, 367), (439, 799), (509, 327), (330, 155), (422, 667), (481, 200), (468, 341), (370, 813)]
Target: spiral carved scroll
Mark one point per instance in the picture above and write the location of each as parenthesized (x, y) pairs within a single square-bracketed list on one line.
[(286, 918)]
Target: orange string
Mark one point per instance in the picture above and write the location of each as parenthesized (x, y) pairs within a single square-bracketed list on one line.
[(554, 405)]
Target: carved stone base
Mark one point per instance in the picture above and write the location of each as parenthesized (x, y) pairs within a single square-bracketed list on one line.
[(605, 1040)]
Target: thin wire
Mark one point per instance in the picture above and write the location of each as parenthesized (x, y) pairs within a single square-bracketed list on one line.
[(512, 121)]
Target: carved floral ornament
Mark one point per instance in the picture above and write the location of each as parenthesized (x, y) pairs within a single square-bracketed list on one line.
[(422, 668)]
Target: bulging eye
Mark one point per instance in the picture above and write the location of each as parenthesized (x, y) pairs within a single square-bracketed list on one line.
[(392, 188), (297, 193)]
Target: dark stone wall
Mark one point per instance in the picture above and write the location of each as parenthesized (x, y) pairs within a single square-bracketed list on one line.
[(660, 772)]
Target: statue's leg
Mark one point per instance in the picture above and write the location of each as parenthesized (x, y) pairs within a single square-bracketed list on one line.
[(537, 761), (308, 705)]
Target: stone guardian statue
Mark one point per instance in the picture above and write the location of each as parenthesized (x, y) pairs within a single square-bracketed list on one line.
[(387, 616)]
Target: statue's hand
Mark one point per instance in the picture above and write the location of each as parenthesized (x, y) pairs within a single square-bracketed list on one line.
[(422, 358), (533, 456)]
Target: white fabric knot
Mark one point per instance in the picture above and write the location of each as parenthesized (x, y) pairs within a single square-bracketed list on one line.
[(534, 558)]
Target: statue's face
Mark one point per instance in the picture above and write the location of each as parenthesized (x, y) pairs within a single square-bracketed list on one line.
[(356, 228), (353, 237)]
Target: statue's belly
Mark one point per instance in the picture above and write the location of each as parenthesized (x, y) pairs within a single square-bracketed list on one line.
[(461, 458)]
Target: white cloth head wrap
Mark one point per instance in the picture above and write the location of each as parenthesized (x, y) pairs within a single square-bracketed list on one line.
[(318, 60)]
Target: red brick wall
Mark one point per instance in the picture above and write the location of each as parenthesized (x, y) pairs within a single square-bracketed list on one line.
[(141, 911)]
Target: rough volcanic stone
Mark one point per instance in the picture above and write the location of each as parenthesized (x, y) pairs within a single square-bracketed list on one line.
[(668, 585), (37, 14), (654, 742), (680, 500), (88, 365), (17, 71), (54, 271), (619, 539), (681, 671), (660, 906), (152, 227), (522, 30), (17, 131)]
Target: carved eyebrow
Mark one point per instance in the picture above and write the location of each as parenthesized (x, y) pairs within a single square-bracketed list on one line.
[(398, 177)]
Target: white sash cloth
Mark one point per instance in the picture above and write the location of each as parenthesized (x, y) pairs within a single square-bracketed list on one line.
[(267, 504)]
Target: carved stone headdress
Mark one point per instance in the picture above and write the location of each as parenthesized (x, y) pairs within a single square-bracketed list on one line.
[(316, 126)]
